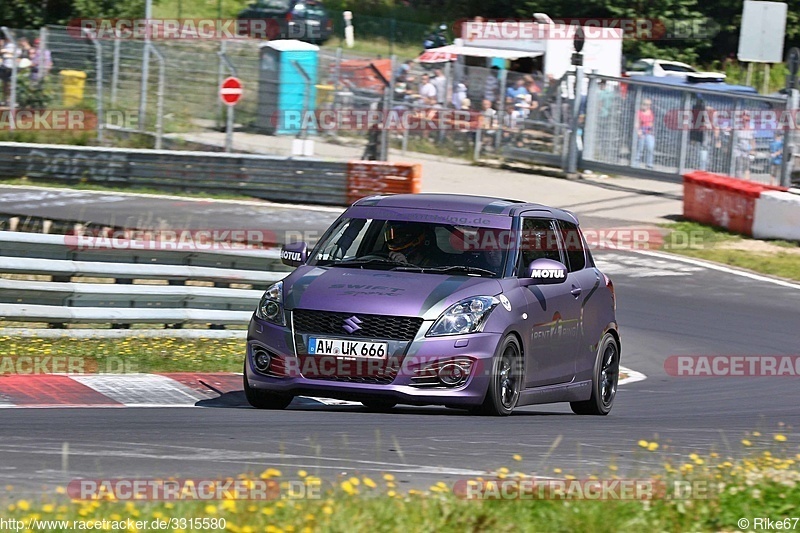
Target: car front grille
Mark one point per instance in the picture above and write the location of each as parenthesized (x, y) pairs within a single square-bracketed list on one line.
[(400, 328)]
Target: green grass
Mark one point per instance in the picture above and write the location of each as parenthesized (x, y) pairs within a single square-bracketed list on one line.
[(759, 486), (130, 355), (705, 242), (376, 46)]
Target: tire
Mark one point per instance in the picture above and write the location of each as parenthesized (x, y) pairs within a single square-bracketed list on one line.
[(378, 405), (506, 380), (262, 399), (604, 380)]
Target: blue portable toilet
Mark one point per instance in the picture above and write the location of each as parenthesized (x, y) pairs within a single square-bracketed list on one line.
[(287, 86)]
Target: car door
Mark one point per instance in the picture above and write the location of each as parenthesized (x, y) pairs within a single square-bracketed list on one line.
[(584, 281), (553, 312)]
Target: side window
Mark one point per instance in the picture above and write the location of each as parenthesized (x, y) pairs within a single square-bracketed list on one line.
[(573, 241), (539, 240)]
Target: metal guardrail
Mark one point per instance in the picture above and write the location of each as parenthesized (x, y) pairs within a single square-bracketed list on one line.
[(114, 293), (269, 177)]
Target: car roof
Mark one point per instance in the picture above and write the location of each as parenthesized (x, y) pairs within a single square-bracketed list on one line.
[(463, 203)]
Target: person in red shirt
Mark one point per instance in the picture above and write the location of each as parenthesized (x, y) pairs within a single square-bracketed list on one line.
[(645, 122)]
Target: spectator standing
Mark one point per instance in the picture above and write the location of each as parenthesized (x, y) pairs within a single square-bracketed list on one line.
[(8, 54), (459, 95), (401, 76), (744, 147), (492, 85), (488, 116), (42, 61), (517, 89), (440, 83), (427, 91), (645, 122)]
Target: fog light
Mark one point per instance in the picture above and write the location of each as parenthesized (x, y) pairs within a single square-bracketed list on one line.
[(452, 374), (262, 360)]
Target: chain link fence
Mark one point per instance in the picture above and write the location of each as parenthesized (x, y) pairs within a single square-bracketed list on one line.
[(624, 125)]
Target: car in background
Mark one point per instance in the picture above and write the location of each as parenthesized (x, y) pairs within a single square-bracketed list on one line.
[(662, 68), (469, 302), (305, 20)]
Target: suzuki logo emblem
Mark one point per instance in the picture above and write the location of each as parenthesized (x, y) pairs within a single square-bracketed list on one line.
[(352, 324)]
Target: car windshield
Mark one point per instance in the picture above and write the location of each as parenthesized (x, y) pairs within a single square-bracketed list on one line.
[(413, 246), (671, 67)]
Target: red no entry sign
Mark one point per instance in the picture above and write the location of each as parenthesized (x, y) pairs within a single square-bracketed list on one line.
[(230, 91)]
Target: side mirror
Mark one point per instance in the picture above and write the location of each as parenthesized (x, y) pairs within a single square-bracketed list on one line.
[(294, 254), (547, 272)]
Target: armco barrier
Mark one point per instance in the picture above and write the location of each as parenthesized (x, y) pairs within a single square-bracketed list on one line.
[(274, 178), (722, 201), (376, 177), (777, 216)]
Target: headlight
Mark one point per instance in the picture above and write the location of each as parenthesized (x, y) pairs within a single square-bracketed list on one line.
[(466, 316), (270, 307)]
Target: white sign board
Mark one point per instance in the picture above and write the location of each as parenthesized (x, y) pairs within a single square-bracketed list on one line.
[(762, 32)]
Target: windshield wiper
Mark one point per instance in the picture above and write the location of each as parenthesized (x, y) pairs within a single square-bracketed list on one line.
[(450, 268), (366, 262)]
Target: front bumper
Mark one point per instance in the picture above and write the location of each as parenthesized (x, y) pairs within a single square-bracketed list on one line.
[(343, 378)]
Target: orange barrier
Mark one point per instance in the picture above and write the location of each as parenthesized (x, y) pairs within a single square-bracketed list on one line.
[(722, 201), (365, 178)]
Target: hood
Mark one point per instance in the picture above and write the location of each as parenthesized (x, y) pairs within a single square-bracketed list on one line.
[(379, 292)]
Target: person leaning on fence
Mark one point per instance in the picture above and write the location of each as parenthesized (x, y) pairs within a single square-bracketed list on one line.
[(645, 123)]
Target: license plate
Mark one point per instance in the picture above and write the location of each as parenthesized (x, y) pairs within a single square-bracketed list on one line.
[(346, 348)]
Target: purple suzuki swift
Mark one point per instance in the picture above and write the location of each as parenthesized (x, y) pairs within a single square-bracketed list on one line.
[(469, 302)]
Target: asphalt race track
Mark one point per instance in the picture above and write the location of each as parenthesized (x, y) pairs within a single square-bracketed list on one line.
[(666, 307)]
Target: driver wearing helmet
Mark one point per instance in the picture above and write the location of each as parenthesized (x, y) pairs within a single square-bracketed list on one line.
[(408, 242)]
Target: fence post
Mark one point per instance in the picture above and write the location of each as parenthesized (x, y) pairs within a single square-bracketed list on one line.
[(115, 74), (684, 148), (220, 76), (148, 14), (637, 103), (788, 140), (478, 134), (98, 50), (501, 112), (572, 160), (732, 148), (387, 105), (160, 96), (12, 102), (590, 122)]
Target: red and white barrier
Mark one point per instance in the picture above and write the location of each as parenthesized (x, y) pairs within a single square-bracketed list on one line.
[(746, 207), (777, 216)]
